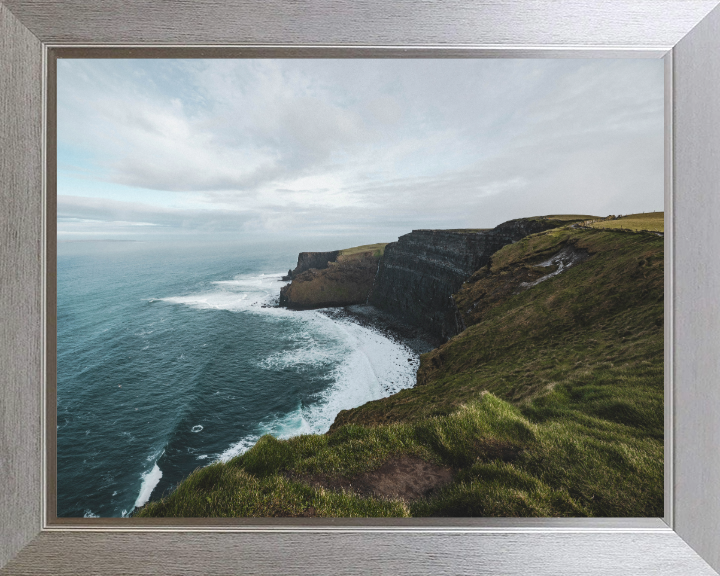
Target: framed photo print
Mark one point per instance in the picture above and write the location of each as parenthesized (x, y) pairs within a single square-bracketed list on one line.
[(419, 290)]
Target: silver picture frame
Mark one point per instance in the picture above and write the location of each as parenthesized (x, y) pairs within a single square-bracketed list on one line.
[(685, 33)]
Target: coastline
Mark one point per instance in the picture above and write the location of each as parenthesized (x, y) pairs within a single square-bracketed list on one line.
[(498, 413)]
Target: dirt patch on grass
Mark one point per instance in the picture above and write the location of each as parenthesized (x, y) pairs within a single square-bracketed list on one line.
[(405, 477)]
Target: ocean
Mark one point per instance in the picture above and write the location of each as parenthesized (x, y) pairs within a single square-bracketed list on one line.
[(171, 357)]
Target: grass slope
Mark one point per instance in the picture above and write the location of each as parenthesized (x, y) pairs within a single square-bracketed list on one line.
[(650, 221), (549, 404)]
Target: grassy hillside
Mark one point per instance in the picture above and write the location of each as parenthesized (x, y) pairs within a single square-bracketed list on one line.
[(550, 403)]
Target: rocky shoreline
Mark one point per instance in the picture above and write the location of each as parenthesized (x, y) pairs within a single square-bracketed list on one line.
[(388, 325)]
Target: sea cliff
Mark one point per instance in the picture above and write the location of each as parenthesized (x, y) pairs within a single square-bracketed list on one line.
[(422, 270), (312, 260), (326, 279), (412, 279)]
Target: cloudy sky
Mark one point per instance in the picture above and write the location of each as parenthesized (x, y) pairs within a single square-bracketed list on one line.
[(261, 148)]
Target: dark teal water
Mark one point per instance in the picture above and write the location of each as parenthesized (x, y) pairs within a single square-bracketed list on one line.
[(171, 357)]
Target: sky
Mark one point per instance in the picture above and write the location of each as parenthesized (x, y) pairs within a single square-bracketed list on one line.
[(267, 148)]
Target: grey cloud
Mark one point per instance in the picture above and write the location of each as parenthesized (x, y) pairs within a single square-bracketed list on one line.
[(422, 143)]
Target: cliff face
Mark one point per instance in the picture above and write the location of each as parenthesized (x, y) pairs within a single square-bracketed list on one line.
[(422, 270), (309, 260), (342, 282)]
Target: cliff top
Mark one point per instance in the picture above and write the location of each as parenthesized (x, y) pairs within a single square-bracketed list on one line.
[(558, 217), (377, 249), (569, 217), (456, 230), (650, 221)]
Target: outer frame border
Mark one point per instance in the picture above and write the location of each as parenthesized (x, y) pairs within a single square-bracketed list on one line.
[(50, 520), (640, 546)]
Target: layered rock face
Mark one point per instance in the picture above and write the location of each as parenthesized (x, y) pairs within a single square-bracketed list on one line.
[(422, 270), (347, 280), (309, 260)]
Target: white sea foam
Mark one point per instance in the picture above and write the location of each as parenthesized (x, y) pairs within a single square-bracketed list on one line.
[(150, 479), (197, 428), (244, 293), (371, 366), (307, 352), (89, 514), (252, 282)]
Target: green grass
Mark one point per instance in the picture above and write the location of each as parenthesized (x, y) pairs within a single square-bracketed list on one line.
[(573, 467), (377, 249), (648, 221), (569, 373)]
